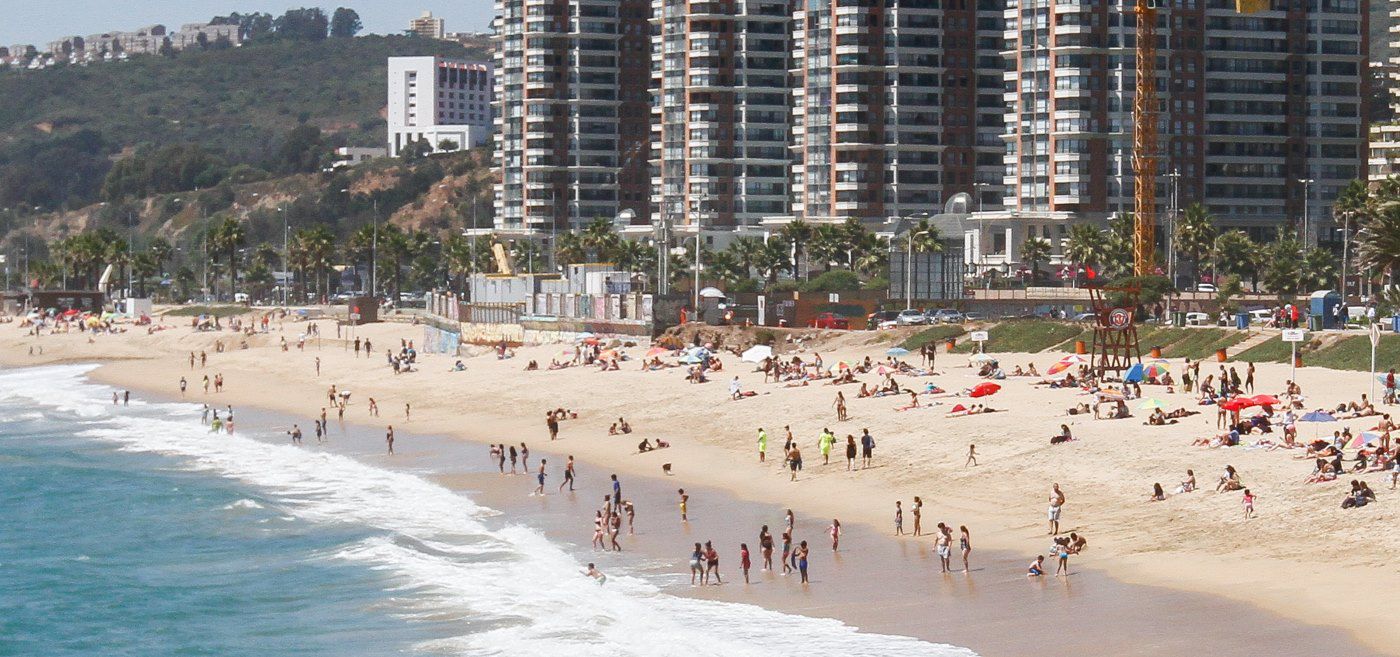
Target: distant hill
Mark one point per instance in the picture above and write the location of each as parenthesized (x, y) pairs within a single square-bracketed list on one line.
[(60, 128)]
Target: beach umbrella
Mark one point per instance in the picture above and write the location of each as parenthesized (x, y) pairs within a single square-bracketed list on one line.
[(1265, 400), (957, 409), (1237, 404), (839, 365), (1151, 404), (757, 353), (1154, 369), (982, 358), (1064, 364), (896, 351), (1317, 416), (657, 351), (608, 354), (1111, 394), (691, 359), (1366, 438), (985, 389), (1134, 374)]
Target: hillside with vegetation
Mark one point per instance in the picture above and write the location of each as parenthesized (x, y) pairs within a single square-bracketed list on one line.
[(63, 128)]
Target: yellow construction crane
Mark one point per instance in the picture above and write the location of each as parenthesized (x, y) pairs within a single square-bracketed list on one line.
[(1145, 141), (1145, 150)]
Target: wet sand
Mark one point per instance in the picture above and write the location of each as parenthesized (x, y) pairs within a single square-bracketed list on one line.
[(876, 582)]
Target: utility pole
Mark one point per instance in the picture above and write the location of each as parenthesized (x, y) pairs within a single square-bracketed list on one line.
[(1346, 244), (286, 257), (1307, 192)]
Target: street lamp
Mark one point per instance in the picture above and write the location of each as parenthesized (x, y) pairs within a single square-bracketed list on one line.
[(1346, 244), (286, 255), (1307, 182)]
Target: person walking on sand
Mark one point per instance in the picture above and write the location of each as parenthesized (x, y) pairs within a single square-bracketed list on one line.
[(539, 490), (794, 458), (407, 412), (191, 360), (898, 518), (1248, 502), (918, 511), (1057, 500), (1249, 378), (850, 452), (568, 474), (840, 405), (206, 384), (373, 407), (835, 531), (762, 445), (318, 366), (971, 456), (744, 563), (524, 457), (965, 545), (824, 445), (684, 499), (389, 438), (552, 422)]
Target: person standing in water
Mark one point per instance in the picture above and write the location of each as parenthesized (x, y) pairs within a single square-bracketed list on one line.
[(712, 562), (568, 474), (183, 383), (765, 547), (596, 574), (697, 565), (514, 456), (918, 512), (524, 457), (965, 545), (1057, 500), (389, 438), (801, 556), (744, 563), (295, 433), (617, 491), (941, 544), (684, 499), (787, 551), (762, 444), (835, 531), (539, 490)]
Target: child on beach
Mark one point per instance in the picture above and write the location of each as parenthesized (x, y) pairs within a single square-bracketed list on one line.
[(539, 490), (835, 531), (1037, 567), (898, 518), (684, 499), (762, 445), (1248, 501), (1062, 567), (596, 574)]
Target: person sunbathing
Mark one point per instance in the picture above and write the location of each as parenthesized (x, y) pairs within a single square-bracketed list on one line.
[(1018, 371), (1030, 371), (1158, 418), (864, 392), (1323, 472), (1079, 409), (1063, 437), (913, 402)]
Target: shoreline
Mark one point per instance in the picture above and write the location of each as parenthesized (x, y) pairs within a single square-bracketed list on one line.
[(1351, 593), (876, 584)]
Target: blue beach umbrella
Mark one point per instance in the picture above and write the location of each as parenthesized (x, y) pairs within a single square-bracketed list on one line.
[(1134, 374), (1318, 416), (896, 351)]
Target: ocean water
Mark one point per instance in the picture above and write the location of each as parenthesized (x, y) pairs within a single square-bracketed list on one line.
[(134, 531)]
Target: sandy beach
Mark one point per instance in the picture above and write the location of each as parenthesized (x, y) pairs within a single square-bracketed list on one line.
[(1303, 558)]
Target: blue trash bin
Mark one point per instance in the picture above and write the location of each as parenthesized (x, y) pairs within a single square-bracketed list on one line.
[(1241, 321), (1395, 323)]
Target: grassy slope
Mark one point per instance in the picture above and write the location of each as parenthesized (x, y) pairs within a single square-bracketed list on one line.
[(236, 101), (1029, 335), (932, 334)]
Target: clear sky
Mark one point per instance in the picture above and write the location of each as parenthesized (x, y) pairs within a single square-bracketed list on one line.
[(40, 21)]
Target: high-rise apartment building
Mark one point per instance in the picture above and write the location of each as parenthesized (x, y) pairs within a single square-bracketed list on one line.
[(1262, 115), (897, 106), (428, 26), (720, 110), (441, 101), (572, 113)]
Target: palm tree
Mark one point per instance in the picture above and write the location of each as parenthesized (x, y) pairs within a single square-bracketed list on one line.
[(316, 245), (229, 236), (1234, 254), (829, 246), (1278, 265), (799, 234), (1319, 270), (871, 255), (598, 237), (1378, 242), (1085, 246), (746, 251), (457, 257), (569, 248), (526, 256), (853, 231), (161, 251), (723, 266), (1035, 250), (143, 265), (1195, 236), (634, 257), (774, 259)]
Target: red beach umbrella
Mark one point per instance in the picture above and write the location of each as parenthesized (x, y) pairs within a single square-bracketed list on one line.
[(985, 389), (1265, 400)]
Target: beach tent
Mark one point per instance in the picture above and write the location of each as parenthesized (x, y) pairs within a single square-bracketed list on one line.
[(896, 351), (756, 353)]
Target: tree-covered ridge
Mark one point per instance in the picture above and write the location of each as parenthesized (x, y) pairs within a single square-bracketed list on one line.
[(62, 127)]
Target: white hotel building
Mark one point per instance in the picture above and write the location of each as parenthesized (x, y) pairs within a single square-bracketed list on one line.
[(438, 99)]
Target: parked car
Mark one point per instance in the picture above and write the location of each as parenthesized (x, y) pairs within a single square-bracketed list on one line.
[(883, 319), (1205, 287), (1084, 317), (947, 316), (973, 317), (1261, 316), (911, 317), (1197, 319), (830, 321)]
